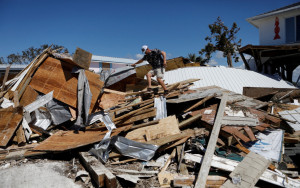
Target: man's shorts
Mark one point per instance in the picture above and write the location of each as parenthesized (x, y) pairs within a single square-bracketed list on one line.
[(159, 72)]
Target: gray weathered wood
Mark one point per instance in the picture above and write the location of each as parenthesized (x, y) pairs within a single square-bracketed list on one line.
[(204, 170), (98, 172)]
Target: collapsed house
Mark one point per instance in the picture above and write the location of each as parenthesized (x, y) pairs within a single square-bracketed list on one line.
[(207, 135)]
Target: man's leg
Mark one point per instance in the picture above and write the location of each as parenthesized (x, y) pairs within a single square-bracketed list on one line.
[(149, 75), (161, 82)]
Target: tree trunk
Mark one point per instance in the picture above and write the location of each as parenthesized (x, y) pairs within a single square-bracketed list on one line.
[(229, 60)]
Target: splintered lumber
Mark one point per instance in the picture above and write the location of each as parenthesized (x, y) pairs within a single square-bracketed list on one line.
[(98, 172), (18, 152), (10, 120), (66, 140), (165, 127), (5, 78), (144, 124), (189, 121), (110, 99), (132, 112), (205, 167), (249, 170), (188, 180), (175, 137), (199, 103), (21, 139), (229, 165), (55, 75), (147, 113)]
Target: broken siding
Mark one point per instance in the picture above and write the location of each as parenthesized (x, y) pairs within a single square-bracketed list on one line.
[(293, 115)]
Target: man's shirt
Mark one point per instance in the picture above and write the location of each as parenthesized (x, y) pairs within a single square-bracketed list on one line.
[(154, 58)]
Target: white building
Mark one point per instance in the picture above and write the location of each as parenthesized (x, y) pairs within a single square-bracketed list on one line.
[(278, 27)]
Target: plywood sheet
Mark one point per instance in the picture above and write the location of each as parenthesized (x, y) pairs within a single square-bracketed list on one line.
[(167, 126), (66, 140), (56, 75), (109, 100), (10, 119), (29, 96)]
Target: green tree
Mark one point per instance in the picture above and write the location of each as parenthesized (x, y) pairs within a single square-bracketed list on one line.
[(29, 54), (199, 59), (222, 39)]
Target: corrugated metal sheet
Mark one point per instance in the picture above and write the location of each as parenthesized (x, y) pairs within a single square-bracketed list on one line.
[(293, 115), (231, 79)]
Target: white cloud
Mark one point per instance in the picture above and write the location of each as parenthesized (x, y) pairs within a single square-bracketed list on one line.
[(219, 55), (212, 62), (139, 56)]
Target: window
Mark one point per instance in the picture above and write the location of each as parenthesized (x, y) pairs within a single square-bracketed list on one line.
[(292, 29)]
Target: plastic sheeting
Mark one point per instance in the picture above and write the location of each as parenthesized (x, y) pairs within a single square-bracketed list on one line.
[(269, 144), (161, 107), (84, 98)]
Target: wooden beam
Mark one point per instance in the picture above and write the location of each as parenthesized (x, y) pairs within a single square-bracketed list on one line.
[(205, 167), (189, 121), (199, 103), (98, 172), (5, 78)]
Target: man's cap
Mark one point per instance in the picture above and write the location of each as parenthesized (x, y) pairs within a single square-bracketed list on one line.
[(144, 48)]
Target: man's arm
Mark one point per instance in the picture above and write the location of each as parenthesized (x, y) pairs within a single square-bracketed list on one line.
[(138, 62), (165, 58)]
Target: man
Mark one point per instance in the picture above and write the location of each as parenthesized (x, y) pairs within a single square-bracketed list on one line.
[(157, 59)]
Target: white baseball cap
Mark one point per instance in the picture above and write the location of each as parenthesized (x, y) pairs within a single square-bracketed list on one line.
[(144, 48)]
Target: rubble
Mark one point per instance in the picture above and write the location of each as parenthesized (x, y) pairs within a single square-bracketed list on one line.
[(125, 136)]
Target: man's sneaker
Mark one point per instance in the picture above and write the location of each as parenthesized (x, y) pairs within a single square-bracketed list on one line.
[(166, 92), (149, 89)]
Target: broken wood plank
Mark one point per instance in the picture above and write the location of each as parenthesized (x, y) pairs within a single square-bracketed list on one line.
[(139, 116), (109, 100), (132, 112), (10, 120), (250, 133), (199, 103), (144, 124), (98, 172), (189, 121), (20, 136), (205, 167), (229, 165), (167, 126), (179, 136), (18, 152), (5, 78), (66, 140), (56, 75)]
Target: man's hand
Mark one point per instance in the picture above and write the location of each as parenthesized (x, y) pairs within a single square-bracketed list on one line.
[(165, 64)]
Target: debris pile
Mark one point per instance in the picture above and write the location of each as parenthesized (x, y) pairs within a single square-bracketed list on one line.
[(126, 136)]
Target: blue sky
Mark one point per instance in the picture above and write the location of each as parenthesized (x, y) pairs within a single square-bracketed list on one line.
[(118, 28)]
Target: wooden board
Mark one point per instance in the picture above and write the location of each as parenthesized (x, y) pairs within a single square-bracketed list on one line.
[(167, 126), (98, 172), (56, 75), (66, 140), (82, 58), (109, 100), (29, 96), (10, 120)]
